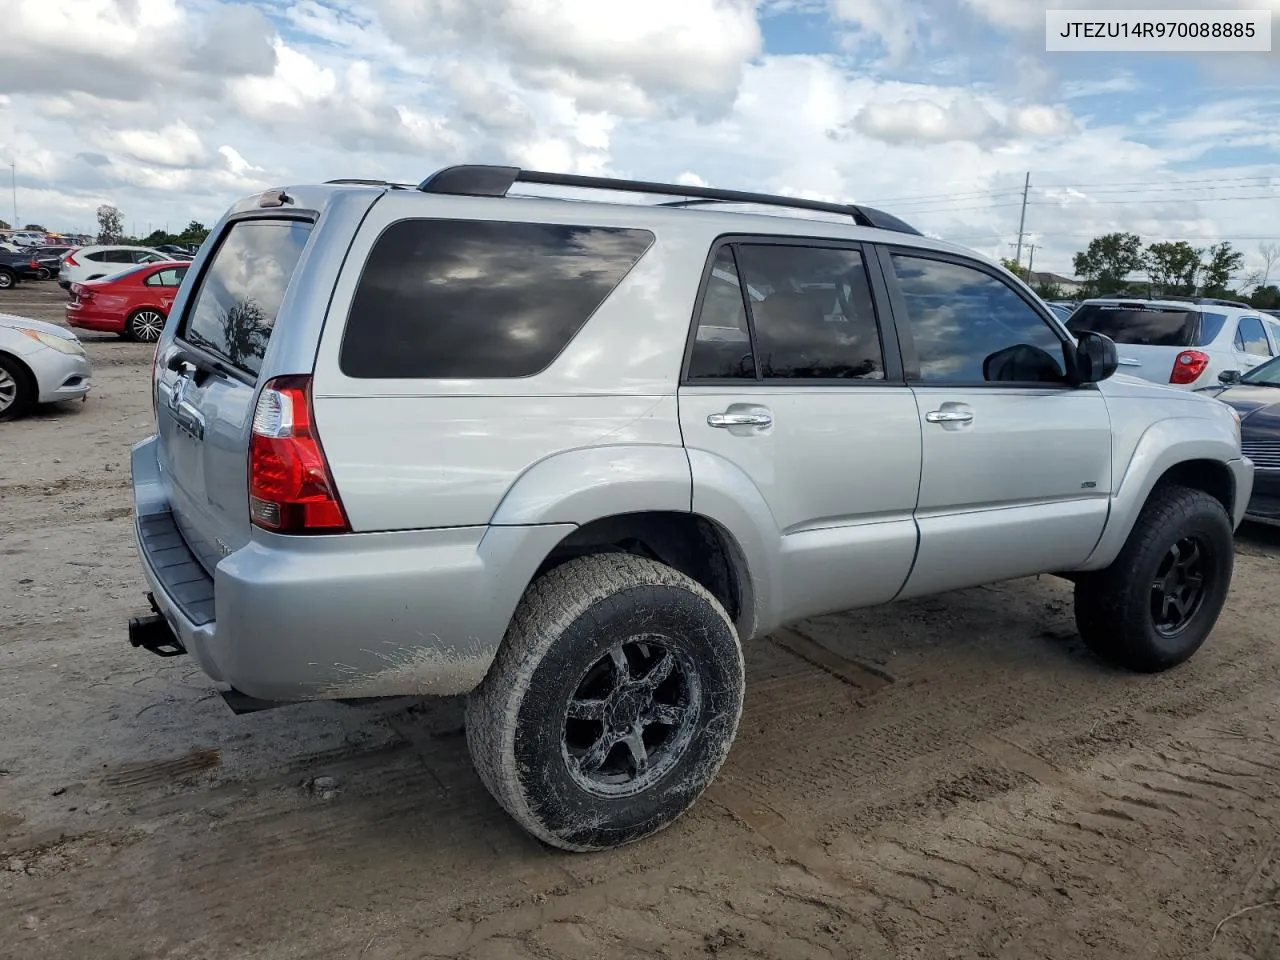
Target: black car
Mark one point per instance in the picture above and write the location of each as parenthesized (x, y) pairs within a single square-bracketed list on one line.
[(1256, 397), (15, 267), (49, 259)]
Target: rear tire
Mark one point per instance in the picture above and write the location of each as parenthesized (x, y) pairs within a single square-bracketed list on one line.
[(612, 703), (1158, 601), (145, 325), (17, 390), (8, 279)]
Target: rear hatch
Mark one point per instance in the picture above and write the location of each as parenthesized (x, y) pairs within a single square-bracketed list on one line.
[(207, 380), (1149, 337)]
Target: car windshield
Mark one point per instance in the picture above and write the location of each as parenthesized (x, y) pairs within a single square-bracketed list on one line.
[(1139, 323), (1264, 374)]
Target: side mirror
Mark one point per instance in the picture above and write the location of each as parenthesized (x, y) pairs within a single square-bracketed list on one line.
[(1229, 377), (1096, 357)]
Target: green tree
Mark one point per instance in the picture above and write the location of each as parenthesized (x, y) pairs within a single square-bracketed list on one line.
[(194, 235), (1020, 272), (1172, 267), (4, 225), (1106, 263), (1266, 297), (1223, 261), (110, 224), (36, 227), (1048, 291)]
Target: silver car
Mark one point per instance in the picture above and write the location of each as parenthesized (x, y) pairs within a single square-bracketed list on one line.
[(565, 456), (39, 363)]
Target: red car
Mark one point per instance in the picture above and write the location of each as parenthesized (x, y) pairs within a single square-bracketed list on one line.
[(133, 304)]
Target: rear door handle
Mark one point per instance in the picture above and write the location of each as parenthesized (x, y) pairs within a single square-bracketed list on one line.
[(949, 416), (739, 420)]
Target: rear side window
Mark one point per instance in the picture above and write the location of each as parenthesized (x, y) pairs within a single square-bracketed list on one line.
[(1251, 338), (1137, 324), (442, 299), (171, 277), (811, 316), (235, 308)]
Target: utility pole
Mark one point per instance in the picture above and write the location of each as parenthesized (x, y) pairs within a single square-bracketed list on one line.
[(13, 183), (1031, 259), (1022, 220)]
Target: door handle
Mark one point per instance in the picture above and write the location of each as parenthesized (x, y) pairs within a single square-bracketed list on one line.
[(739, 420), (949, 416)]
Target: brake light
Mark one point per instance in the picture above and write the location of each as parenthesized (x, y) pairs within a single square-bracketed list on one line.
[(290, 489), (35, 264), (71, 260), (1188, 367)]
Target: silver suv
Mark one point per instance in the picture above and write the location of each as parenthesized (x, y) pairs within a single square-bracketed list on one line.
[(564, 455)]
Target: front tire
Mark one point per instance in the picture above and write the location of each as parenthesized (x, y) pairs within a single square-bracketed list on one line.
[(8, 279), (17, 391), (1158, 601), (611, 705)]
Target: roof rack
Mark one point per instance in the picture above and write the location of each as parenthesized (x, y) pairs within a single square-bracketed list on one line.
[(482, 180), (356, 181), (1199, 301)]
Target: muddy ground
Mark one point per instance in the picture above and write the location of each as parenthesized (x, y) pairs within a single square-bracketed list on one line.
[(952, 777)]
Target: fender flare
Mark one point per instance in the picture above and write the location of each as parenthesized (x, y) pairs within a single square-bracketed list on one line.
[(727, 496), (582, 485), (1162, 446)]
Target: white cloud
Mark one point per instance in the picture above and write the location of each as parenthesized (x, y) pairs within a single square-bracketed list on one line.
[(175, 145)]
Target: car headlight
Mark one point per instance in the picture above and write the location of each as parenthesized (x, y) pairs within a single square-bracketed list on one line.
[(61, 344)]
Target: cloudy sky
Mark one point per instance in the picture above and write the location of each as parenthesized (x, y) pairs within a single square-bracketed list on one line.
[(932, 109)]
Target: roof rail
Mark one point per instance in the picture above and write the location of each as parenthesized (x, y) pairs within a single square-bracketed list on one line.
[(1176, 298), (356, 181), (481, 180)]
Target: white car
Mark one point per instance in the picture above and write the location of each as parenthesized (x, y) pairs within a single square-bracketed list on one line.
[(1187, 343), (95, 263), (39, 363)]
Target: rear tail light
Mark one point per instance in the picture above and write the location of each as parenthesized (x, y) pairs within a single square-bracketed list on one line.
[(1188, 367), (290, 488), (71, 260), (35, 264)]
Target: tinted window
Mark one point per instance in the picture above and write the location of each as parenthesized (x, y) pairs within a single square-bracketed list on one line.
[(1136, 323), (465, 298), (1251, 338), (235, 308), (970, 327), (171, 277), (98, 257), (812, 313), (118, 256), (722, 346)]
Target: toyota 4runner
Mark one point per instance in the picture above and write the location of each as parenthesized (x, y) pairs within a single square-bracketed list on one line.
[(564, 455)]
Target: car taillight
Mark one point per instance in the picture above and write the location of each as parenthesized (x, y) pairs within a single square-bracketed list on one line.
[(1188, 367), (35, 264), (290, 488), (71, 260)]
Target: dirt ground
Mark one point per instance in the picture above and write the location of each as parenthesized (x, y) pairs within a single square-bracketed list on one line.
[(951, 777)]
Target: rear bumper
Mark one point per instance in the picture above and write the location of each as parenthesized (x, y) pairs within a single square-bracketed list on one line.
[(326, 617), (91, 320)]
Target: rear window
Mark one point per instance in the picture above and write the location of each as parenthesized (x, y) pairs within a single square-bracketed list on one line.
[(1138, 324), (235, 308), (479, 299)]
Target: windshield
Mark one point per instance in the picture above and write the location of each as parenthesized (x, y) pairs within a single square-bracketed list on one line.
[(1264, 374), (1137, 323)]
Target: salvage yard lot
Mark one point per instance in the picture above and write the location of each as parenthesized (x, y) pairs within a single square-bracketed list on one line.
[(949, 777)]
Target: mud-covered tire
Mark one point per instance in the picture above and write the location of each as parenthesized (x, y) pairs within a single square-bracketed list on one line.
[(534, 758), (1118, 610)]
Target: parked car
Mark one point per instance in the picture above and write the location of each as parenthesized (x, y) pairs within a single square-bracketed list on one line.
[(1255, 395), (94, 263), (133, 304), (448, 441), (15, 267), (48, 260), (39, 363), (176, 251), (1060, 310), (1182, 342)]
